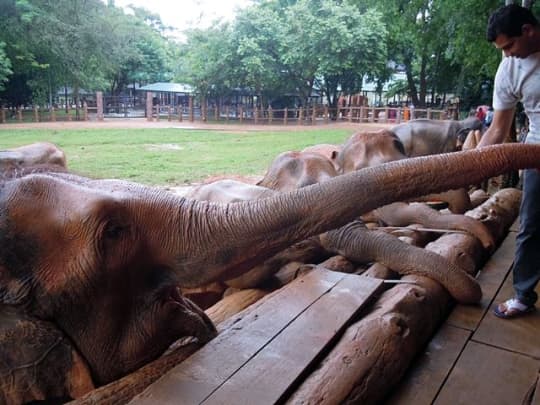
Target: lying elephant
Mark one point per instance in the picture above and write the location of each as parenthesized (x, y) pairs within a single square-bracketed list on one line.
[(329, 151), (292, 170), (104, 259), (228, 191), (39, 153), (428, 137), (364, 149)]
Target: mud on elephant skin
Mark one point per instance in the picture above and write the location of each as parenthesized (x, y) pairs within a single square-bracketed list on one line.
[(104, 259)]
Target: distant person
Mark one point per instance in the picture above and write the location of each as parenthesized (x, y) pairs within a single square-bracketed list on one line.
[(489, 117), (516, 31), (480, 114)]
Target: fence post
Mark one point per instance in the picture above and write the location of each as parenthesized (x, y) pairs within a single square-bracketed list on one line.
[(149, 107), (326, 114), (85, 111), (300, 115), (2, 115), (314, 115), (270, 114), (241, 112), (36, 113), (255, 115), (157, 109), (169, 114), (398, 115), (350, 114), (68, 111), (216, 113), (99, 105), (191, 112), (204, 109), (429, 113), (285, 116), (386, 112), (19, 114), (180, 110)]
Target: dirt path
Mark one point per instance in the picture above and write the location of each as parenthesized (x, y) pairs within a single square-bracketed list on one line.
[(143, 123)]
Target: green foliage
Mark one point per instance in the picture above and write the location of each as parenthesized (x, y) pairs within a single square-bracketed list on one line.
[(274, 48), (5, 66), (81, 44)]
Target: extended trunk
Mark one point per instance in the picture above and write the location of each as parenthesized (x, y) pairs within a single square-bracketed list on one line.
[(233, 238)]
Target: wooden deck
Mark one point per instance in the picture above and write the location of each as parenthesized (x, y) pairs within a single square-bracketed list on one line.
[(474, 357)]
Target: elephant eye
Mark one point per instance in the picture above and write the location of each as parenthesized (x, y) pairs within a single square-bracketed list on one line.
[(114, 230)]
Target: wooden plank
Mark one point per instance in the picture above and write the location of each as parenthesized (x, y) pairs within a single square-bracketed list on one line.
[(490, 278), (196, 378), (424, 380), (519, 335), (515, 226), (488, 375), (275, 369)]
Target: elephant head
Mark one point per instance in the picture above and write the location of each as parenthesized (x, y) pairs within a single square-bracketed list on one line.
[(365, 149), (103, 259)]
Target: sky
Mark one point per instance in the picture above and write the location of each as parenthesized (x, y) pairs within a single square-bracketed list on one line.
[(183, 14)]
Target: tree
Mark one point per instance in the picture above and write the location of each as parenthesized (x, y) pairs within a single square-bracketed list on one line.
[(5, 66)]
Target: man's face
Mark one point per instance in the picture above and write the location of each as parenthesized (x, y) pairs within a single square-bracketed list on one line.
[(520, 46)]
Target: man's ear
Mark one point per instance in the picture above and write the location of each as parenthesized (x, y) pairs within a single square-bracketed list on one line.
[(13, 291), (527, 29)]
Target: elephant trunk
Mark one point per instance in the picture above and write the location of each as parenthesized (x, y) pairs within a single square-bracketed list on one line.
[(224, 241), (359, 244)]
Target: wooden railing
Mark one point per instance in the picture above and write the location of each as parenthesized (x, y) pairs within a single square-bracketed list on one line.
[(287, 116)]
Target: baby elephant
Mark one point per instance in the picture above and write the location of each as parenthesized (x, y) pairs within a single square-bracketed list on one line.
[(35, 154)]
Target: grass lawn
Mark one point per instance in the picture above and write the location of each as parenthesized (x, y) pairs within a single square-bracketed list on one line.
[(170, 156)]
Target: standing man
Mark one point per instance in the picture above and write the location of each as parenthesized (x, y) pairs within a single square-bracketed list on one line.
[(516, 31)]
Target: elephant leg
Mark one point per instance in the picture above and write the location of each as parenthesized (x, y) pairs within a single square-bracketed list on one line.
[(38, 361), (357, 243)]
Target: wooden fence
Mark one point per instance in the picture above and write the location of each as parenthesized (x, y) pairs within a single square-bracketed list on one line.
[(286, 116), (234, 114)]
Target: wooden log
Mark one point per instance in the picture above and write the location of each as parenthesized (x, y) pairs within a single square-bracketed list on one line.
[(234, 303), (374, 353), (123, 390)]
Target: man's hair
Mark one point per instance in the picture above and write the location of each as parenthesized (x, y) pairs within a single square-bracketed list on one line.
[(508, 20)]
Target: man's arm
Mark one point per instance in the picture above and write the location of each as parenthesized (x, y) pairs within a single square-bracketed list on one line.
[(499, 128)]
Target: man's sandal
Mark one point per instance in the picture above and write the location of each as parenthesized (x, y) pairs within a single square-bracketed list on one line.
[(512, 309)]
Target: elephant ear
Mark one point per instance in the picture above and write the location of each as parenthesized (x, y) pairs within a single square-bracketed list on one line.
[(13, 291)]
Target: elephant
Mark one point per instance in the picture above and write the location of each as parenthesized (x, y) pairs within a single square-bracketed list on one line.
[(327, 150), (364, 149), (292, 170), (39, 153), (228, 191), (369, 148), (104, 259), (423, 136)]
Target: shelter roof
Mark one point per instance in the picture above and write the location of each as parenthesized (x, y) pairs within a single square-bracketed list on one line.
[(168, 87)]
